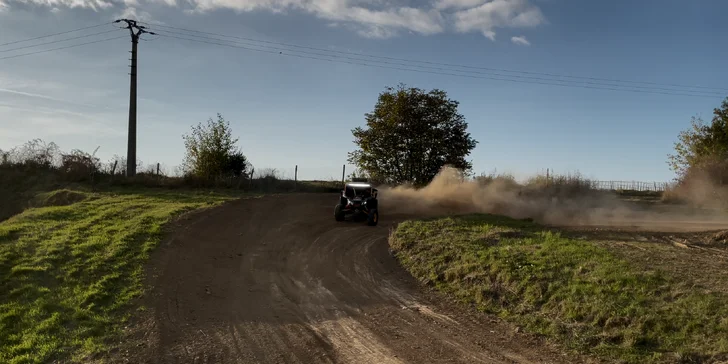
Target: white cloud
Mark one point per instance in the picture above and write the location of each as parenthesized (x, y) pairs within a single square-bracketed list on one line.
[(90, 4), (131, 12), (520, 41), (369, 18), (497, 14), (458, 4)]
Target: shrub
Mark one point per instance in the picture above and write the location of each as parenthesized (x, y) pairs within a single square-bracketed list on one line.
[(211, 151)]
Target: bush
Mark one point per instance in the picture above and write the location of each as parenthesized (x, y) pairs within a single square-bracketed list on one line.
[(211, 151), (35, 152), (79, 166)]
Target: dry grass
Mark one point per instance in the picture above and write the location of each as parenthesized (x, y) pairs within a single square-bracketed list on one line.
[(540, 184), (561, 185)]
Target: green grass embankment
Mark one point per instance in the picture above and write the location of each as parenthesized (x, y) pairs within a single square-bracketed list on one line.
[(70, 269), (573, 291)]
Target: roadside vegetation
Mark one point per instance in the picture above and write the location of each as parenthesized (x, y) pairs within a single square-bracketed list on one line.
[(574, 291)]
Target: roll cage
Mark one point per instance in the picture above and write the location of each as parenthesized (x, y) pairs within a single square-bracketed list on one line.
[(358, 189)]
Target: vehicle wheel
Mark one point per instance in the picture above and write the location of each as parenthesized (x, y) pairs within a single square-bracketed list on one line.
[(373, 217), (338, 214)]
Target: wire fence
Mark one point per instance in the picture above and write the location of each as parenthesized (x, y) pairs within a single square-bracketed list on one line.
[(631, 186)]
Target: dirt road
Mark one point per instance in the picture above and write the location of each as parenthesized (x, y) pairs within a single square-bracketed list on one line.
[(277, 280)]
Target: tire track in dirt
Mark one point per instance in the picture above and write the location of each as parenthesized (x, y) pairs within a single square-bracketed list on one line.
[(277, 280)]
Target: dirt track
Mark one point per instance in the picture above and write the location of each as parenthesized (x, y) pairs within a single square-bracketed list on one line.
[(277, 280)]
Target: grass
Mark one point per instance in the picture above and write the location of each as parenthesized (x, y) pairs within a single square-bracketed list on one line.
[(69, 272), (572, 291)]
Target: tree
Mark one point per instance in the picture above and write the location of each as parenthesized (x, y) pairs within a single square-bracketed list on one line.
[(211, 151), (702, 147), (411, 134)]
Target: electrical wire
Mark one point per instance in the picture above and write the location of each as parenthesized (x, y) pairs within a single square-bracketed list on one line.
[(553, 83), (441, 69), (66, 47), (54, 34), (57, 41), (452, 65)]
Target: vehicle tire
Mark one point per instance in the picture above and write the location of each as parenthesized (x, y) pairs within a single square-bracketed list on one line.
[(338, 214), (373, 217)]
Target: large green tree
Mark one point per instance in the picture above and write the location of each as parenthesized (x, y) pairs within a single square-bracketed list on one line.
[(703, 146), (410, 135), (211, 151)]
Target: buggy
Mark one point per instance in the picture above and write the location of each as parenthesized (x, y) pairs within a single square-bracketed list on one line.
[(358, 200)]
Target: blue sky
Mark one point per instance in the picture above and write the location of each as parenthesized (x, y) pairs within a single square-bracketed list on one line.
[(287, 110)]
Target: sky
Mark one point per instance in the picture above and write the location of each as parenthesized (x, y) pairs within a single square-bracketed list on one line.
[(289, 110)]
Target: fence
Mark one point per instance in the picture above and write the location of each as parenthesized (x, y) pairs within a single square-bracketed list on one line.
[(631, 185)]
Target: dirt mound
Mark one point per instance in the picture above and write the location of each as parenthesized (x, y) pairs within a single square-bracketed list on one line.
[(58, 198), (720, 237)]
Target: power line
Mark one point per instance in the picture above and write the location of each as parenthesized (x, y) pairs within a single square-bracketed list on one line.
[(519, 77), (456, 65), (57, 41), (59, 48), (54, 34), (363, 63)]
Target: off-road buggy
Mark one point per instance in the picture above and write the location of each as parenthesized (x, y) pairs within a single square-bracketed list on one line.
[(358, 200)]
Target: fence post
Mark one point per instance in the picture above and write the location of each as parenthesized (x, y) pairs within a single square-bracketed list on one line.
[(295, 178), (113, 170), (157, 169), (343, 174), (252, 174)]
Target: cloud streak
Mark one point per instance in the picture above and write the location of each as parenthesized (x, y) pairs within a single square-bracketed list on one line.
[(369, 18), (520, 41), (40, 96)]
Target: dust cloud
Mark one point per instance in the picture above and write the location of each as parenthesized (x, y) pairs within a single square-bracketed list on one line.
[(701, 188), (450, 193)]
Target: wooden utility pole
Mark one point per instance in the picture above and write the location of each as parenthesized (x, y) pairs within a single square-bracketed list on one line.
[(136, 31)]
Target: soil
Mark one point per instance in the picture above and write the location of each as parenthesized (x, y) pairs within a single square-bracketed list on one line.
[(277, 280)]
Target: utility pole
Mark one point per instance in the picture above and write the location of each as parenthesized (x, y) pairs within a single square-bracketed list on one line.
[(136, 31)]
